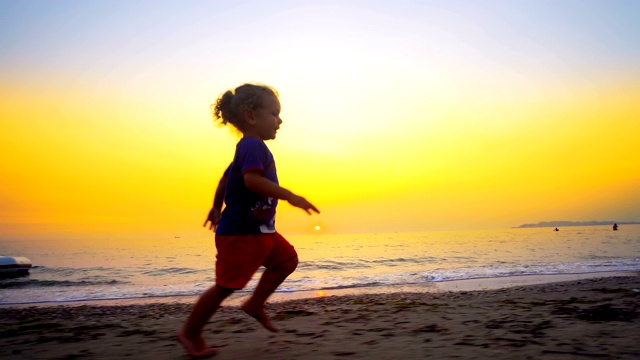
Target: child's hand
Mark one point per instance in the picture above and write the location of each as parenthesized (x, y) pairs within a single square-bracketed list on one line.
[(302, 203), (213, 217)]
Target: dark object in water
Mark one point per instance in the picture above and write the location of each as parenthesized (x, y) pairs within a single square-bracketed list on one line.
[(13, 266)]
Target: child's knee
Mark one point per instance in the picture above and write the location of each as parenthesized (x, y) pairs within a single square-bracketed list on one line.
[(289, 266), (294, 262)]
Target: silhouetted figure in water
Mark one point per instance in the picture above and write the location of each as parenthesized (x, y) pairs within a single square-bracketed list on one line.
[(615, 227), (556, 229)]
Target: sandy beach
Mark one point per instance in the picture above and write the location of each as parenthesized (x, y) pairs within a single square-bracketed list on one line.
[(586, 318)]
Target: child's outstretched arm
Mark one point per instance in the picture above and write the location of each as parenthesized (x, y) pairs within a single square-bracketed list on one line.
[(254, 181), (216, 209)]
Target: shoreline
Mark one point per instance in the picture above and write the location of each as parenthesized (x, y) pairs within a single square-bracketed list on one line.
[(591, 317), (476, 284)]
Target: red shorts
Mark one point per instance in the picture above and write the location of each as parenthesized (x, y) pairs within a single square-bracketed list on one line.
[(240, 256)]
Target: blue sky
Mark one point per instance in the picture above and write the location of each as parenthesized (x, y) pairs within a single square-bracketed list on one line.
[(571, 34)]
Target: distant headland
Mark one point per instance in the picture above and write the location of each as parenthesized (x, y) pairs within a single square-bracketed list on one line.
[(576, 223)]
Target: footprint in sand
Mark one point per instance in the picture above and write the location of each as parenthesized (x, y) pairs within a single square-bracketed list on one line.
[(244, 330), (288, 314)]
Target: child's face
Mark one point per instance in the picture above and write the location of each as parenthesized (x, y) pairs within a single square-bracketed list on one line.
[(267, 118)]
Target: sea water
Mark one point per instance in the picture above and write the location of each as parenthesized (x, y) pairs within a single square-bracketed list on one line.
[(140, 267)]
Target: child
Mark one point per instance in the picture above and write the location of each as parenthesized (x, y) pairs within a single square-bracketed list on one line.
[(246, 237)]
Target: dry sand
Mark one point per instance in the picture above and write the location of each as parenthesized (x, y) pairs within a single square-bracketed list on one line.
[(582, 319)]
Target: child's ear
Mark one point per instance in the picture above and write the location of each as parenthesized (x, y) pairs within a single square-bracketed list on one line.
[(247, 115)]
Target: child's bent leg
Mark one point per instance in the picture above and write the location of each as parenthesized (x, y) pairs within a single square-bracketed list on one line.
[(190, 335), (269, 282)]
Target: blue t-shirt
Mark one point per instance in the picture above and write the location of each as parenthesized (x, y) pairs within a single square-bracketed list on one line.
[(247, 212)]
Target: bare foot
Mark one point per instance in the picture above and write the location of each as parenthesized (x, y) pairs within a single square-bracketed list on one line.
[(196, 348), (259, 315)]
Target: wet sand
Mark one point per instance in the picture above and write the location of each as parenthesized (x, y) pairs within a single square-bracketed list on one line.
[(585, 318)]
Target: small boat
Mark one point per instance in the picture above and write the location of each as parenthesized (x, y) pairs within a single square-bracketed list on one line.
[(11, 266)]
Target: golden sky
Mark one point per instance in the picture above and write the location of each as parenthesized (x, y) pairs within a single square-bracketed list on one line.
[(403, 117)]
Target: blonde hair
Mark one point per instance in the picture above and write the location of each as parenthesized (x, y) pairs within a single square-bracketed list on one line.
[(230, 105)]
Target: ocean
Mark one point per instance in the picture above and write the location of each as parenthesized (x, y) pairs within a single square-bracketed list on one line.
[(151, 266)]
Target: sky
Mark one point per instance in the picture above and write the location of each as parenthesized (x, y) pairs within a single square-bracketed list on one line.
[(397, 116)]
